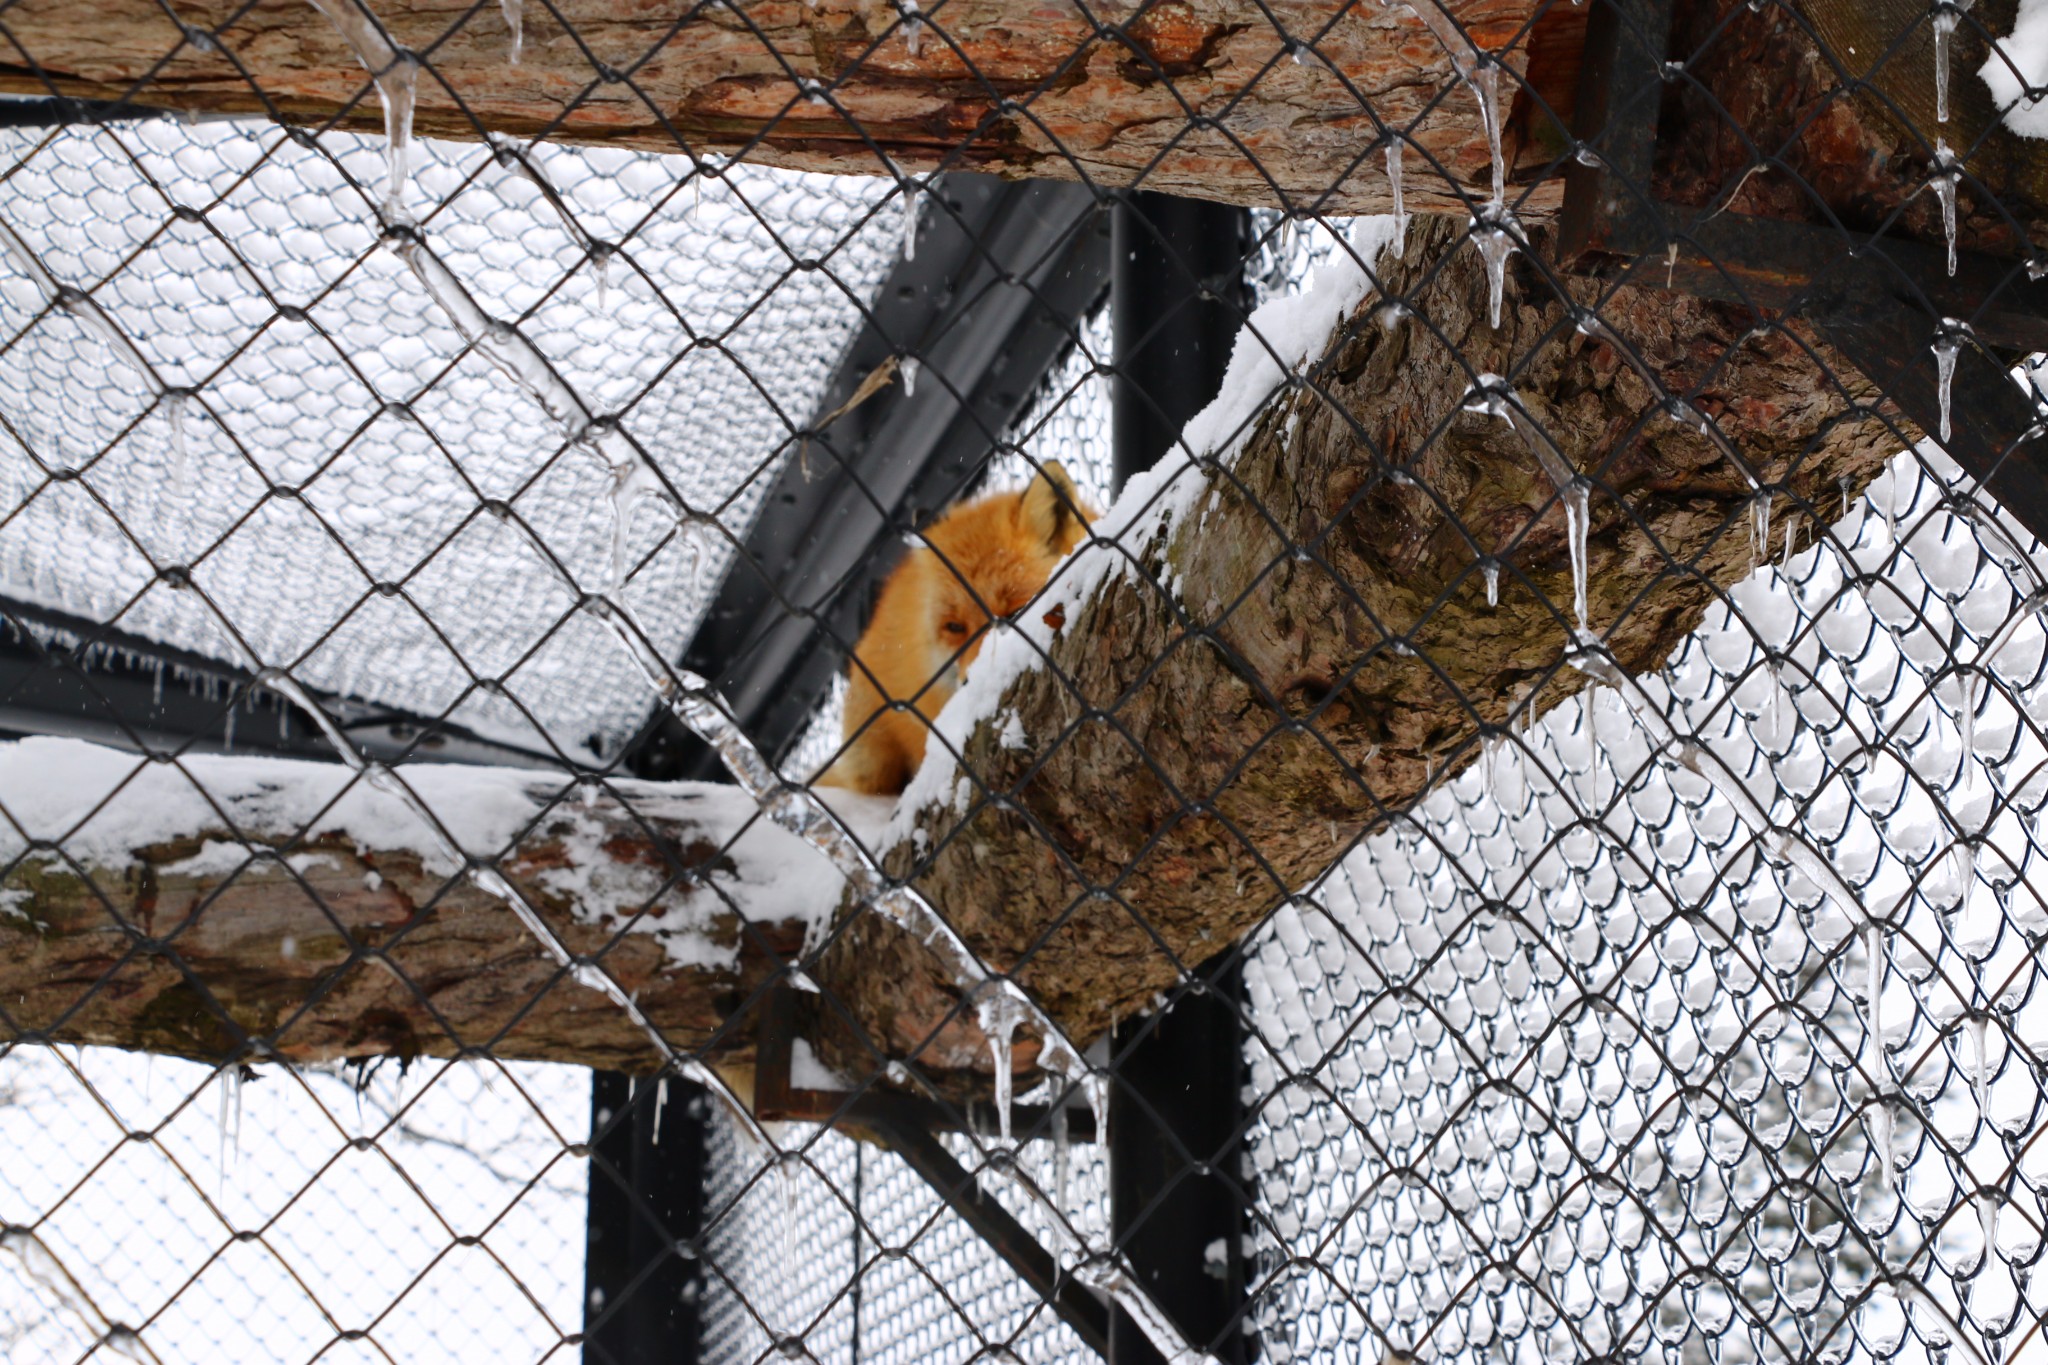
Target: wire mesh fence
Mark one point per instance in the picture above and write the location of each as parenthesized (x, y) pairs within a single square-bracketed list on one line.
[(729, 686)]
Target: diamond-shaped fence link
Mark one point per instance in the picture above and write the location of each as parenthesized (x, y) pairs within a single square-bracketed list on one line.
[(1435, 758)]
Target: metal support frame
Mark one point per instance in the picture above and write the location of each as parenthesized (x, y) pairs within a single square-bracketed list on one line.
[(1003, 276), (643, 1279), (909, 1126), (63, 675), (1176, 1105), (1879, 300)]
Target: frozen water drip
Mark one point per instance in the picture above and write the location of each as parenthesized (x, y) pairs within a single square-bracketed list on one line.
[(1947, 175), (1947, 345), (1947, 14), (1495, 234)]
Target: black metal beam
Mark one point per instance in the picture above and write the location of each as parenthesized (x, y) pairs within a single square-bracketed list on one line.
[(1078, 1307), (643, 1279), (1002, 278), (1177, 302), (1176, 1105), (64, 675)]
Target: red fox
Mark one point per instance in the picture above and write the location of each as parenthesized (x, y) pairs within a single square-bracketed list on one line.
[(989, 556)]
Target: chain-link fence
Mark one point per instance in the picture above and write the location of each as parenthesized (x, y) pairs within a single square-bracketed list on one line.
[(887, 683)]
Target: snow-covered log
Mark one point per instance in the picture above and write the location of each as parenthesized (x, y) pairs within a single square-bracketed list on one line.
[(839, 85), (195, 906)]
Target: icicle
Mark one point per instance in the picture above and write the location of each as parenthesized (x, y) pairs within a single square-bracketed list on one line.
[(1575, 529), (604, 277), (660, 1103), (1791, 535), (911, 192), (515, 20), (1485, 83), (1874, 972), (1095, 1087), (1987, 1218), (998, 1015), (395, 73), (1760, 528), (1394, 155), (1493, 233), (1479, 72), (1944, 181), (908, 369), (1490, 570), (1061, 1157), (1979, 1024), (1495, 397), (1948, 344), (230, 1118), (1882, 1138), (913, 28), (785, 1177), (1968, 724), (1947, 14)]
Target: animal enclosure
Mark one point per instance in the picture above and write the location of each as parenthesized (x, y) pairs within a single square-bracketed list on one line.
[(1511, 837)]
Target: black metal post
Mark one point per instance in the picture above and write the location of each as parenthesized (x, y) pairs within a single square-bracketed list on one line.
[(1178, 297), (1175, 1114), (643, 1284)]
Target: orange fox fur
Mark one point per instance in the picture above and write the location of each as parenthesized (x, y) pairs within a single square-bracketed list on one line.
[(989, 556)]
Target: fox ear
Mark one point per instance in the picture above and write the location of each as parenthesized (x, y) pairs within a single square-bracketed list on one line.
[(1051, 509)]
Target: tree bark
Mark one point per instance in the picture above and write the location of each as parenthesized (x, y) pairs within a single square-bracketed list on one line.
[(1017, 89), (1193, 755), (269, 917)]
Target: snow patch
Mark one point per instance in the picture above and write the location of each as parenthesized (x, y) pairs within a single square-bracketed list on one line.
[(806, 1072), (99, 805), (2017, 62)]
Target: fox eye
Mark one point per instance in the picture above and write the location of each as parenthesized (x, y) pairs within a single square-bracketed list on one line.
[(957, 629)]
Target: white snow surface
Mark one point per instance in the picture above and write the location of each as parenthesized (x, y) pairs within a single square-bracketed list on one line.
[(99, 804), (1277, 339), (2017, 62)]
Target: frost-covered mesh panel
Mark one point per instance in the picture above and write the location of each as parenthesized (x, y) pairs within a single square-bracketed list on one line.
[(1593, 1058), (361, 492), (1695, 1021), (840, 1250), (161, 1211)]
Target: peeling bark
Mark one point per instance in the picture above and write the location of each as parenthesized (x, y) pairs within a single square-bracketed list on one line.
[(1032, 90)]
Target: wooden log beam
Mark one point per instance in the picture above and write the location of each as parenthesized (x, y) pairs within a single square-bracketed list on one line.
[(1194, 97), (272, 909)]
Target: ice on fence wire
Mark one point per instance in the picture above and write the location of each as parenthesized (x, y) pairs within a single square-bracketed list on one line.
[(1395, 150), (1494, 235), (1947, 175), (515, 23), (1947, 345), (1947, 13), (1478, 72), (1494, 396), (394, 72)]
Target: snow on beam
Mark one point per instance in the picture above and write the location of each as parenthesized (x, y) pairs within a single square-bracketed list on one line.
[(208, 905)]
